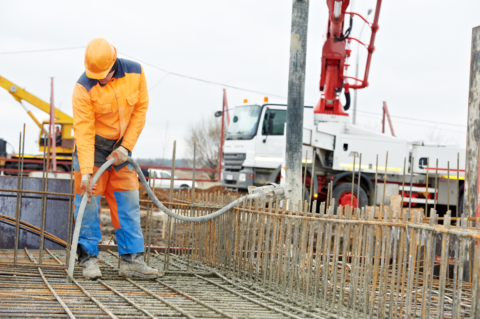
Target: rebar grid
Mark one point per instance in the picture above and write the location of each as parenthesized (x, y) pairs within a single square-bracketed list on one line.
[(383, 266), (262, 260)]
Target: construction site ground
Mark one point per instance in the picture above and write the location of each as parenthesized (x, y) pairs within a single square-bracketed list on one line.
[(27, 291)]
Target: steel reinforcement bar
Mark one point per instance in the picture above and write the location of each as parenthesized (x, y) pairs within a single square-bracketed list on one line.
[(338, 264)]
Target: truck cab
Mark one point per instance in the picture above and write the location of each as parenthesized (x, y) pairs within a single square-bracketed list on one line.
[(255, 144)]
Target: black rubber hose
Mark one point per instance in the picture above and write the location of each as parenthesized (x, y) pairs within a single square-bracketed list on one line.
[(347, 103)]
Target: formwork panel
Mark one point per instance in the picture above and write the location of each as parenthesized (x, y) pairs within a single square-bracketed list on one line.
[(56, 220)]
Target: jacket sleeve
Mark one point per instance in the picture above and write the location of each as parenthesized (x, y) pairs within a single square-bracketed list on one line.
[(84, 128), (137, 119)]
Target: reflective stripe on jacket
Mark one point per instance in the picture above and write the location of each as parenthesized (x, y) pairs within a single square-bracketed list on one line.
[(114, 110)]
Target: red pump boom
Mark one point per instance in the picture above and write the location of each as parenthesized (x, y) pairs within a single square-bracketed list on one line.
[(335, 54)]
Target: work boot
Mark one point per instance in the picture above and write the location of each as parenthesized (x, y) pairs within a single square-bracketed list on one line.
[(133, 265), (89, 264)]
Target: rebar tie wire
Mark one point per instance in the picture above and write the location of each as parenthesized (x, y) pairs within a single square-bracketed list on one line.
[(265, 192)]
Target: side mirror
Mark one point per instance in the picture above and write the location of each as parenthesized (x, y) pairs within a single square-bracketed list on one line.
[(218, 113), (235, 119)]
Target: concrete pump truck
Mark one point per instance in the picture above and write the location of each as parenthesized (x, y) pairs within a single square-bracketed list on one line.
[(255, 142)]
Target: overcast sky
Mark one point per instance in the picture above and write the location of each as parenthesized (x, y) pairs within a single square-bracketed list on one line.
[(420, 66)]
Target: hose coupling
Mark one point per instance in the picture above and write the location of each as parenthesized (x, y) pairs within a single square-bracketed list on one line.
[(268, 191)]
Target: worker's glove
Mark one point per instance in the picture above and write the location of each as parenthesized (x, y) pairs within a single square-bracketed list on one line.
[(120, 154), (86, 185)]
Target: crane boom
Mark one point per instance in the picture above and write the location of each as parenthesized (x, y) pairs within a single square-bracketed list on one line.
[(63, 138), (20, 94)]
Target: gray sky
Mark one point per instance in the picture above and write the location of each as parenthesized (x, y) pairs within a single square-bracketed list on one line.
[(420, 66)]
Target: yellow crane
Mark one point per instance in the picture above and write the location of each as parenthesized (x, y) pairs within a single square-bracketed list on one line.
[(63, 122)]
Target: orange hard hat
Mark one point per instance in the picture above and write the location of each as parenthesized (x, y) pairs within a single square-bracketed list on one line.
[(99, 58)]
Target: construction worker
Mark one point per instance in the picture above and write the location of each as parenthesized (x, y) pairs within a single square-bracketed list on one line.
[(110, 102)]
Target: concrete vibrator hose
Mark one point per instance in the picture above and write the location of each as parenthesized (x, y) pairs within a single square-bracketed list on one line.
[(264, 192)]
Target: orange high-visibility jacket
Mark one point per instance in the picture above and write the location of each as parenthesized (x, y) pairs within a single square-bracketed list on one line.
[(114, 110)]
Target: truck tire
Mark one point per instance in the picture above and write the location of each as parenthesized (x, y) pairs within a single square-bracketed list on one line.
[(343, 192)]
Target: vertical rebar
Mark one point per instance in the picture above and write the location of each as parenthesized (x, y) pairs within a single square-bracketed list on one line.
[(403, 183), (411, 186), (359, 177), (192, 210), (436, 187), (44, 203), (19, 198), (169, 219), (328, 194), (314, 155), (443, 267), (375, 190), (353, 179), (448, 185), (426, 187), (458, 184), (149, 221), (70, 213), (384, 186), (304, 179)]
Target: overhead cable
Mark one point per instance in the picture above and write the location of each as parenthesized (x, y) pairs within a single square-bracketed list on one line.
[(42, 50), (224, 85), (202, 80), (413, 119)]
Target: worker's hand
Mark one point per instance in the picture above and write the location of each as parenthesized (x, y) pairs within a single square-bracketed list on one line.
[(120, 154), (86, 186)]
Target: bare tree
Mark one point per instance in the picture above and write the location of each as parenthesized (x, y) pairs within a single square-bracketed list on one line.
[(436, 135), (206, 134)]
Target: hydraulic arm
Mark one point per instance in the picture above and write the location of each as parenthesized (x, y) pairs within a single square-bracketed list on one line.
[(335, 56)]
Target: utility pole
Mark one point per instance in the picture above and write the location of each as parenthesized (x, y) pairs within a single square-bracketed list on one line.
[(295, 104), (472, 188)]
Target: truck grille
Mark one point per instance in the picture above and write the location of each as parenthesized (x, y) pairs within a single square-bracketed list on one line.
[(233, 162)]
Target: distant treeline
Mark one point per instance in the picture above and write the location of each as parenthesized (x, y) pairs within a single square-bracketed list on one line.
[(179, 162)]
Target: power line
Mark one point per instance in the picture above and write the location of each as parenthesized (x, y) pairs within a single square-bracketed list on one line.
[(413, 119), (444, 129), (229, 86), (43, 50), (202, 80)]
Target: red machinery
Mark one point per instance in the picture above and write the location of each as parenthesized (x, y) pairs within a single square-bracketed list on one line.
[(335, 56)]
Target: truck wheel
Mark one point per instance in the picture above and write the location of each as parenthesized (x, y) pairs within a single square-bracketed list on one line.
[(343, 195)]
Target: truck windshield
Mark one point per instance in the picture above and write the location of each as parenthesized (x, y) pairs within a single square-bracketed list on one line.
[(244, 122)]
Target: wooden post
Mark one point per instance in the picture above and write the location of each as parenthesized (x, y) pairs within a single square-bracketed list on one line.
[(473, 132), (295, 105)]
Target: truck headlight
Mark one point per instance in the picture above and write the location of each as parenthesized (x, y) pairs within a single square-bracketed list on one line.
[(242, 177)]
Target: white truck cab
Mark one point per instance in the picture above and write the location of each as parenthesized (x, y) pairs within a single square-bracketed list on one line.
[(255, 143)]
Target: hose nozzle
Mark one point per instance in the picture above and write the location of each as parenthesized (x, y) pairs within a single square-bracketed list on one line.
[(270, 190)]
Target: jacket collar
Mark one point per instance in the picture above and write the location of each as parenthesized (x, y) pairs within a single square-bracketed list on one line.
[(120, 73)]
